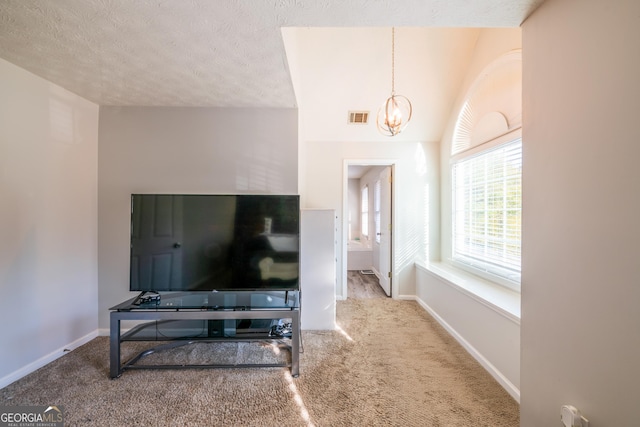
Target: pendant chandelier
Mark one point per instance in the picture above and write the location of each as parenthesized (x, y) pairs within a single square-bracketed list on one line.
[(395, 113)]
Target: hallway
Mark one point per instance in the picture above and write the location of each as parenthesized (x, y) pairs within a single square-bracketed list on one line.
[(363, 286)]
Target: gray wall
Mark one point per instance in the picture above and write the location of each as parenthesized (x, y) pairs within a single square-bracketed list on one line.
[(182, 150), (581, 267), (48, 221)]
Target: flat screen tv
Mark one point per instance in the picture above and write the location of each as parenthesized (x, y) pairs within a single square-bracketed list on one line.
[(186, 242)]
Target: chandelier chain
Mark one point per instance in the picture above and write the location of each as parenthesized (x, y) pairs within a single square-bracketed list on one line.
[(393, 59)]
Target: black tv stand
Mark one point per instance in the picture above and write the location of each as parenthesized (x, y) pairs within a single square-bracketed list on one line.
[(216, 310)]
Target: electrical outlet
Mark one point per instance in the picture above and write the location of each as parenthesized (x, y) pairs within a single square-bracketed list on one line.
[(571, 417)]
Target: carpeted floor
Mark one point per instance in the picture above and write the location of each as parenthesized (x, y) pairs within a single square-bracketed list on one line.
[(390, 364)]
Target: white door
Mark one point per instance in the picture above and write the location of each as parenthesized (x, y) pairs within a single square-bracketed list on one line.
[(156, 251), (384, 252)]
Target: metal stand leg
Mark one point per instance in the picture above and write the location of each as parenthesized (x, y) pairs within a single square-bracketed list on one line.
[(295, 344), (114, 346)]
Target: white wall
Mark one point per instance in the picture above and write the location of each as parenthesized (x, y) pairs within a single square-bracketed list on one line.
[(324, 176), (488, 330), (322, 60), (48, 226), (335, 70), (183, 150), (581, 271)]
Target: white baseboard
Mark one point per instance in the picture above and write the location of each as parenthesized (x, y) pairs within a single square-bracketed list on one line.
[(44, 360), (488, 366)]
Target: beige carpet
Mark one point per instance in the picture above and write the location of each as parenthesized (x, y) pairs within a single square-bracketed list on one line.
[(391, 366)]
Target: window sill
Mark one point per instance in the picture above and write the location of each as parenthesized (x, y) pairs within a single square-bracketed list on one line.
[(497, 297)]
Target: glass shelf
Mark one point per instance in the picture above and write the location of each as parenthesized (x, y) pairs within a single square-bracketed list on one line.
[(231, 301)]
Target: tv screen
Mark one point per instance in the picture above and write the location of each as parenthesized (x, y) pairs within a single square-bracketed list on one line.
[(185, 242)]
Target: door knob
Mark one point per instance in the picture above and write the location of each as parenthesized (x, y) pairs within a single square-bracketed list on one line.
[(177, 245)]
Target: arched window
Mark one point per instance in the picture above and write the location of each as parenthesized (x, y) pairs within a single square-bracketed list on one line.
[(486, 172)]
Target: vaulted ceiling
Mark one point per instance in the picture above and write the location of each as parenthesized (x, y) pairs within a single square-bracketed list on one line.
[(228, 53)]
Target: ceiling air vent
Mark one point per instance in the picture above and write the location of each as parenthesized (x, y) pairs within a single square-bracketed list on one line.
[(358, 117)]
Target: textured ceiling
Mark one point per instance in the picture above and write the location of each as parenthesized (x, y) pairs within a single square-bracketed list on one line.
[(202, 52)]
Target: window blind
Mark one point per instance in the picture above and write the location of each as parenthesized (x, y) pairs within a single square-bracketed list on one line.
[(488, 210)]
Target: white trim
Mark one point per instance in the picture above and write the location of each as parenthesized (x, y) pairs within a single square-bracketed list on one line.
[(44, 360), (498, 298), (488, 366), (504, 138), (345, 219), (500, 280)]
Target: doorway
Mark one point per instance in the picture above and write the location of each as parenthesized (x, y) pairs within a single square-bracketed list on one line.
[(367, 242)]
